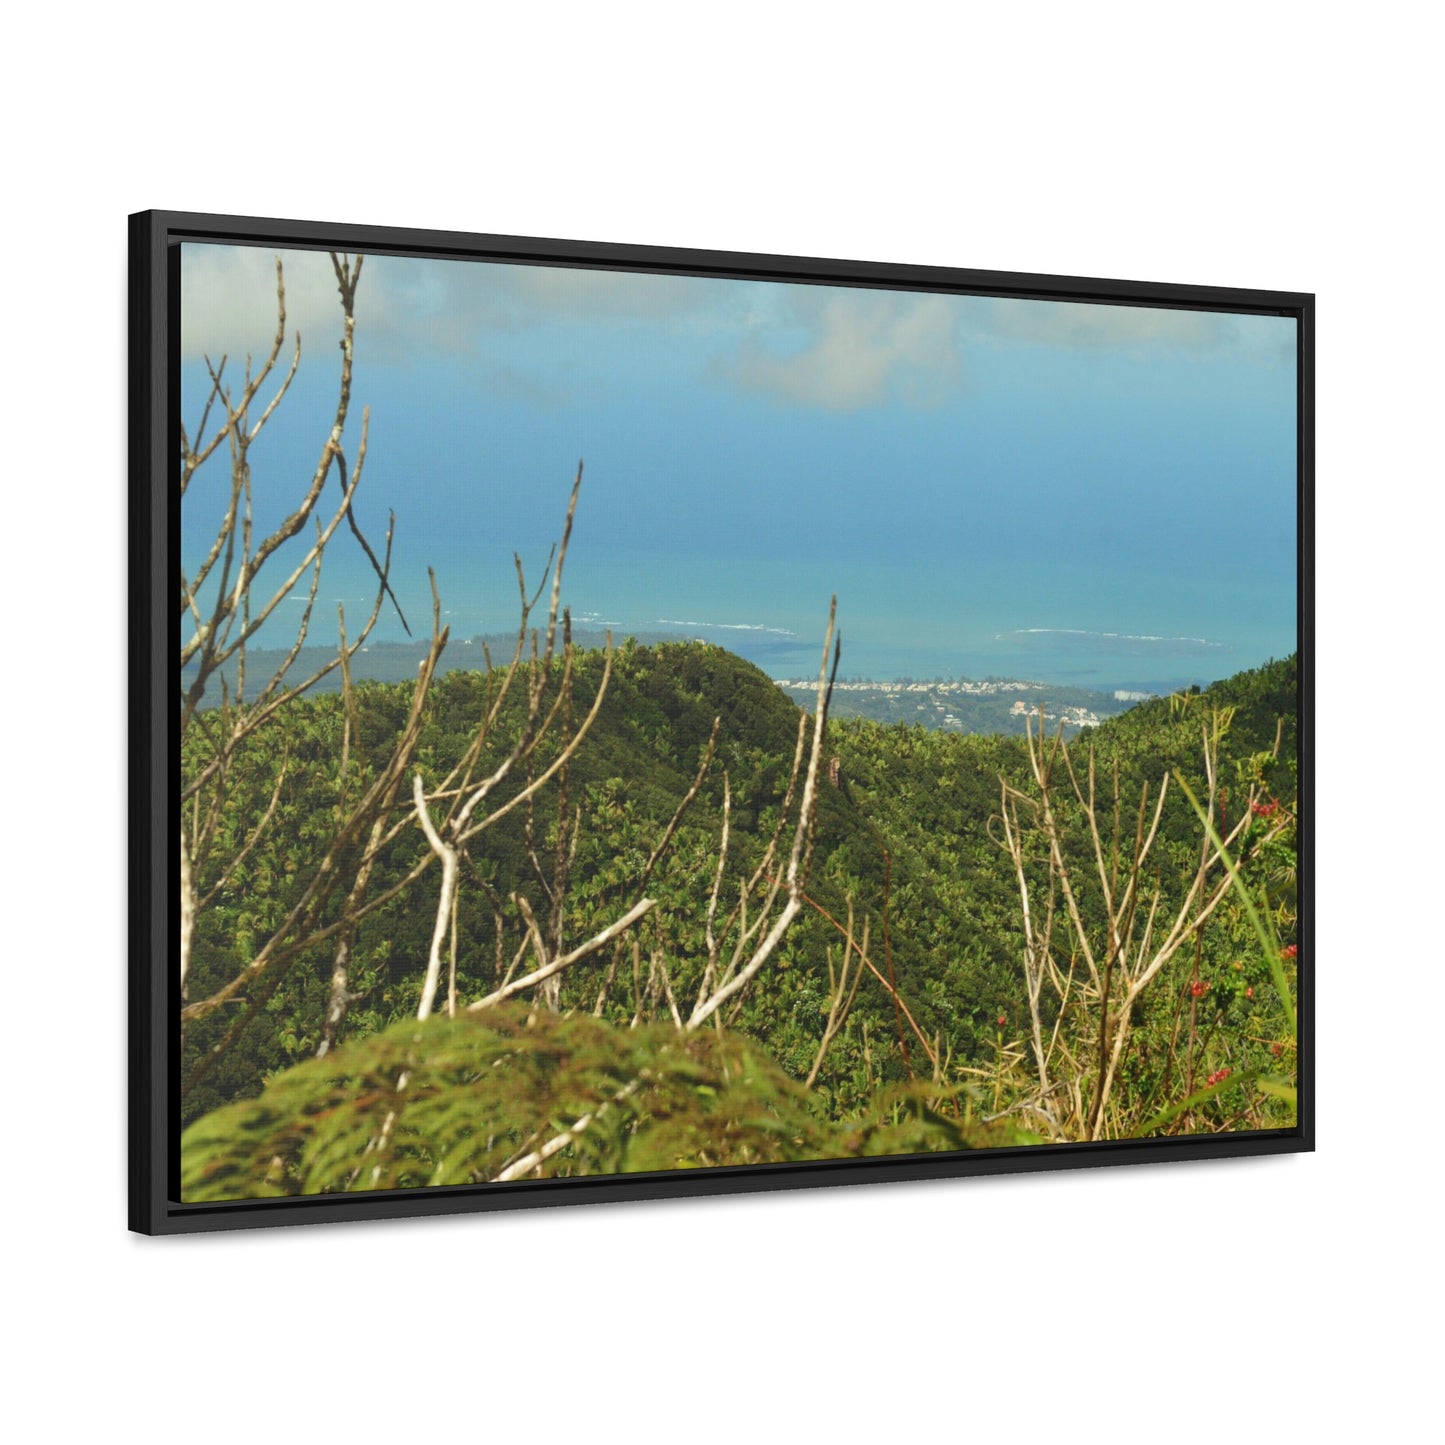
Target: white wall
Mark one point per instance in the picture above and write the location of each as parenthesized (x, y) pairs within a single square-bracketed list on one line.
[(1247, 145)]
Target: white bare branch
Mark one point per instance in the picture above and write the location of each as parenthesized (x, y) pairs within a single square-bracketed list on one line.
[(798, 859), (556, 965)]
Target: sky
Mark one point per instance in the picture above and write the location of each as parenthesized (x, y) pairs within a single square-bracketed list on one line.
[(1096, 495)]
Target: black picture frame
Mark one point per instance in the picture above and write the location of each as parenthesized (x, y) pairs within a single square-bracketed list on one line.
[(154, 332)]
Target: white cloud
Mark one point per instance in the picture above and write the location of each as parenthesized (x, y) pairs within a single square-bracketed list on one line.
[(860, 348), (1080, 324), (839, 349), (406, 306), (565, 293), (228, 300), (1155, 329)]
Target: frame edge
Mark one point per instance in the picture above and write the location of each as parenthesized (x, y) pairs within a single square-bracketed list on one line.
[(151, 236)]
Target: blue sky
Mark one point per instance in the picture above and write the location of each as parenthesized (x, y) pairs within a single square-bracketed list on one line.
[(1091, 494)]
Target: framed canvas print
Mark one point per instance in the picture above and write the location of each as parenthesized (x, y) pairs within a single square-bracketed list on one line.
[(615, 722)]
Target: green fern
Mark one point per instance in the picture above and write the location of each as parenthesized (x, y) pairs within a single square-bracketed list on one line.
[(460, 1101)]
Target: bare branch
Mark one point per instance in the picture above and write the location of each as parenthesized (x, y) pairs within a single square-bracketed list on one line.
[(529, 1162), (840, 994), (556, 965), (448, 856), (802, 844)]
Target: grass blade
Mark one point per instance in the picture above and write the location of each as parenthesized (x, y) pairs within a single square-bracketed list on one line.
[(1268, 940)]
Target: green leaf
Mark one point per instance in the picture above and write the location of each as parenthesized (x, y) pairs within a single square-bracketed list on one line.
[(1263, 931), (1277, 1088), (1200, 1096)]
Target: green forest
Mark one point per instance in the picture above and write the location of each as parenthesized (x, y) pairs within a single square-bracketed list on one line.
[(895, 1013), (579, 912)]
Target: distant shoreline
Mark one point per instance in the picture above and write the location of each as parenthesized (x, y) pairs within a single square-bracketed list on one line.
[(396, 661)]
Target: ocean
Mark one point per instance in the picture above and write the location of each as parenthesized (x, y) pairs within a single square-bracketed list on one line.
[(1151, 630)]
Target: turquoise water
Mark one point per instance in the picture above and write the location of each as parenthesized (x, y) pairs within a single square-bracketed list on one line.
[(1109, 518), (916, 618)]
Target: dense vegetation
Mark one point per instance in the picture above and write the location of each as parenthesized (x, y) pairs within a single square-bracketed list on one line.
[(584, 912), (907, 837)]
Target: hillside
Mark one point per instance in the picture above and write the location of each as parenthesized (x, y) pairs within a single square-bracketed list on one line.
[(955, 705), (906, 835), (397, 661)]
